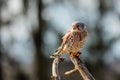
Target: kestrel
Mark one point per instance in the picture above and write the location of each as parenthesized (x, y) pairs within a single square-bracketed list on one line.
[(73, 41)]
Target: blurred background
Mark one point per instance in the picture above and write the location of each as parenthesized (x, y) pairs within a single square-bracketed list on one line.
[(30, 31)]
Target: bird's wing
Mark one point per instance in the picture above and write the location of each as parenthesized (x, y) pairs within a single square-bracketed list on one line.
[(66, 38), (83, 35)]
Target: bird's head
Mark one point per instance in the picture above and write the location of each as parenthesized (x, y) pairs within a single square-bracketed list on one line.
[(78, 26)]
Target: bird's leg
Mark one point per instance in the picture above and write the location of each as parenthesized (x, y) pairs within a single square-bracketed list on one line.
[(78, 55)]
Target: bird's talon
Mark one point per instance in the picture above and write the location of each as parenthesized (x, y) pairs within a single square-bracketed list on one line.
[(78, 55), (75, 55), (71, 55)]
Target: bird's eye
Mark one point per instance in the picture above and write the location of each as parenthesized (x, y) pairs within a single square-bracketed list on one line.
[(81, 26), (77, 25)]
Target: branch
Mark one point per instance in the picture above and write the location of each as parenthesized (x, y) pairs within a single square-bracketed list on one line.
[(70, 72), (80, 66), (55, 73)]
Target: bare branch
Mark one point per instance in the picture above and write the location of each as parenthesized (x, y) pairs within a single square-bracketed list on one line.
[(55, 73), (80, 66), (70, 72)]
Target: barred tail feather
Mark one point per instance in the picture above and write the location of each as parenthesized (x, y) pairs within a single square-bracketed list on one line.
[(57, 53)]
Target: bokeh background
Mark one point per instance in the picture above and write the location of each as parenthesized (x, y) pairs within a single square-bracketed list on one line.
[(30, 31)]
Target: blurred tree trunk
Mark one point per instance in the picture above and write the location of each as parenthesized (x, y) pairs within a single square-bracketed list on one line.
[(0, 45), (40, 61), (0, 62)]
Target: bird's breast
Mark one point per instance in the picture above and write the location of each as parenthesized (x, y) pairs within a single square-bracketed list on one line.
[(75, 43)]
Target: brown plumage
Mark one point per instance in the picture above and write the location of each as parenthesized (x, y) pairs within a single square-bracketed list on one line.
[(73, 41)]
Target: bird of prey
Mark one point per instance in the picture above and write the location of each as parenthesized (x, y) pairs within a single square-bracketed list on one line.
[(73, 41)]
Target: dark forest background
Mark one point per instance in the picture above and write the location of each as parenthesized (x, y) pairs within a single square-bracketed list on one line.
[(30, 31)]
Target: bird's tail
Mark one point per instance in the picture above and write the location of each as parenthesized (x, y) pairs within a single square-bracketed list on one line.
[(57, 53)]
